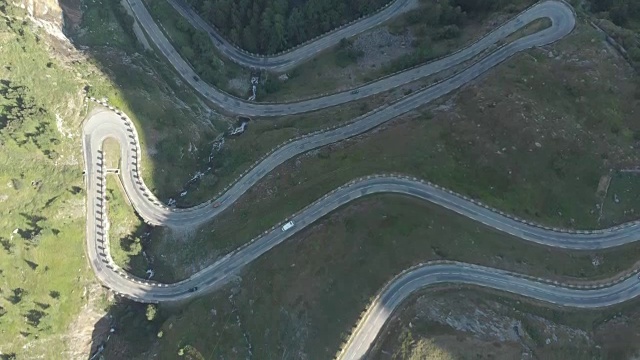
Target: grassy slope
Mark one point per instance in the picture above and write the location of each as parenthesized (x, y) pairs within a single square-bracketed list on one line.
[(46, 274), (111, 148), (625, 187), (125, 231), (42, 266), (239, 153)]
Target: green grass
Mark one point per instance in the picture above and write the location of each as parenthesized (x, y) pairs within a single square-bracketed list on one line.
[(42, 264), (42, 267), (125, 231), (282, 300), (111, 149), (320, 75)]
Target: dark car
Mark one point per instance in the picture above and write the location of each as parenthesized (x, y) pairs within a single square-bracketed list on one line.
[(355, 91), (193, 289)]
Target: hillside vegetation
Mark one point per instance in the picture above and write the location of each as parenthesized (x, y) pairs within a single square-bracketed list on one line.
[(43, 274), (49, 298), (268, 26), (532, 138), (621, 12), (621, 20)]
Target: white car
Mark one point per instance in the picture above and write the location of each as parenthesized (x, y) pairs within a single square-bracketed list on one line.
[(287, 226)]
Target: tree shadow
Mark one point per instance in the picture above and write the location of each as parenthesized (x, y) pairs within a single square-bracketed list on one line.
[(31, 264), (129, 242), (7, 245), (34, 317), (42, 306), (34, 230), (16, 295), (50, 201)]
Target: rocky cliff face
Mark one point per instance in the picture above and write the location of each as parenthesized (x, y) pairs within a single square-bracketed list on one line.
[(47, 14), (48, 10)]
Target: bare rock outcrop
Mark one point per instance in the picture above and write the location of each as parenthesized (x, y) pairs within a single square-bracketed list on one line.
[(47, 14)]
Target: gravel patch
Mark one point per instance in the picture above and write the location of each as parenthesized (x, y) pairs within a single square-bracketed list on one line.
[(241, 85), (485, 323), (492, 321), (380, 47)]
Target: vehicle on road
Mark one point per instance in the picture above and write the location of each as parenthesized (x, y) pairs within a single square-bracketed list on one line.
[(355, 91), (216, 204), (287, 226), (193, 289)]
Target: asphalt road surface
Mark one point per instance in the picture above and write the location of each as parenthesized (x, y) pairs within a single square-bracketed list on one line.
[(109, 124)]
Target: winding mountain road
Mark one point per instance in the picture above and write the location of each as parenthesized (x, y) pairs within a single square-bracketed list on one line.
[(560, 15), (112, 124)]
